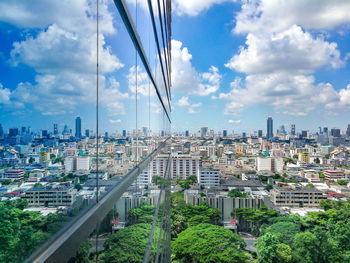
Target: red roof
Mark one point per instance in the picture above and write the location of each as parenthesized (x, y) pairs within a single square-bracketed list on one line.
[(13, 193)]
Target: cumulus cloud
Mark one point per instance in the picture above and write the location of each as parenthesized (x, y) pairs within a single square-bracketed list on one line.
[(192, 108), (234, 121), (63, 54), (4, 95), (278, 15), (144, 87), (280, 56), (185, 78), (194, 7), (115, 121)]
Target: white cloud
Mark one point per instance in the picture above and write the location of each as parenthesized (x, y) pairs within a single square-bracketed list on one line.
[(234, 121), (4, 95), (280, 56), (278, 15), (292, 50), (192, 108), (185, 78), (144, 86), (63, 54), (115, 121), (194, 7)]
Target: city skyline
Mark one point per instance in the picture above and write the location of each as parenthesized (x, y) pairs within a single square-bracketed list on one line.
[(229, 90)]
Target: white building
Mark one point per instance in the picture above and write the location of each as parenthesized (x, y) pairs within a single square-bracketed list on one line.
[(270, 164), (83, 163), (209, 177), (69, 164)]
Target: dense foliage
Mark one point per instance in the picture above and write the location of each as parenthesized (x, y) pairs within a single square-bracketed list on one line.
[(319, 237), (23, 231), (129, 244), (208, 243)]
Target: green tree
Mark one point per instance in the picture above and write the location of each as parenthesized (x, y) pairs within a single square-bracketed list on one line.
[(82, 254), (284, 231), (284, 253), (310, 186), (305, 248), (208, 243), (342, 182), (129, 244), (236, 193), (267, 249)]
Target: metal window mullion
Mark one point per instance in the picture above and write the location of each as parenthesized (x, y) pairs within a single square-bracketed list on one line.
[(128, 22), (158, 48)]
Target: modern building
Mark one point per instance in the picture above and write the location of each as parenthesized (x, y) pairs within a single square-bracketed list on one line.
[(55, 129), (269, 134), (124, 133), (335, 132), (187, 133), (14, 174), (50, 196), (78, 127), (260, 133), (304, 134), (347, 131), (297, 197), (204, 131), (304, 157), (224, 133), (209, 177), (292, 129), (333, 174), (269, 164)]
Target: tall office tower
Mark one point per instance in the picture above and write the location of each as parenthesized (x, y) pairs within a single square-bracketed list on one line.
[(13, 132), (335, 132), (44, 134), (65, 129), (260, 132), (106, 134), (187, 133), (325, 130), (1, 131), (124, 133), (145, 131), (55, 129), (347, 131), (23, 130), (87, 133), (29, 130), (292, 129), (244, 135), (224, 133), (319, 130), (304, 134), (78, 127), (204, 131), (269, 134), (283, 129)]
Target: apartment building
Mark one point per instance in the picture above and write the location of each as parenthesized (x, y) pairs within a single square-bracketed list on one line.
[(297, 197)]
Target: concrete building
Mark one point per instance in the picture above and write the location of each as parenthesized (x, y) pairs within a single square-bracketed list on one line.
[(82, 163), (297, 197), (270, 164), (334, 174), (209, 177), (304, 157), (14, 174), (50, 196)]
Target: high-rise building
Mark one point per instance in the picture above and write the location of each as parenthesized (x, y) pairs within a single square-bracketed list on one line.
[(13, 132), (44, 134), (1, 131), (244, 135), (65, 129), (23, 130), (204, 131), (78, 127), (292, 129), (260, 133), (224, 133), (319, 130), (124, 133), (269, 134), (304, 134), (87, 133), (283, 129), (325, 130), (106, 134), (347, 131), (335, 132), (55, 129), (187, 133), (145, 131)]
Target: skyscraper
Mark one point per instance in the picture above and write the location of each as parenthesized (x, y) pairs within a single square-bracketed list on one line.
[(269, 134), (325, 130), (13, 132), (204, 131), (260, 132), (347, 131), (55, 129), (292, 129), (304, 134), (187, 133), (335, 132), (78, 127), (1, 131), (224, 133)]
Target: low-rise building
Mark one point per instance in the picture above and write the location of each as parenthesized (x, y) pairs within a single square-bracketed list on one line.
[(14, 174), (334, 174), (296, 197), (209, 177), (50, 196)]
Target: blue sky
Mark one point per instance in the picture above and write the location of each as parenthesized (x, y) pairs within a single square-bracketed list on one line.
[(234, 64)]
